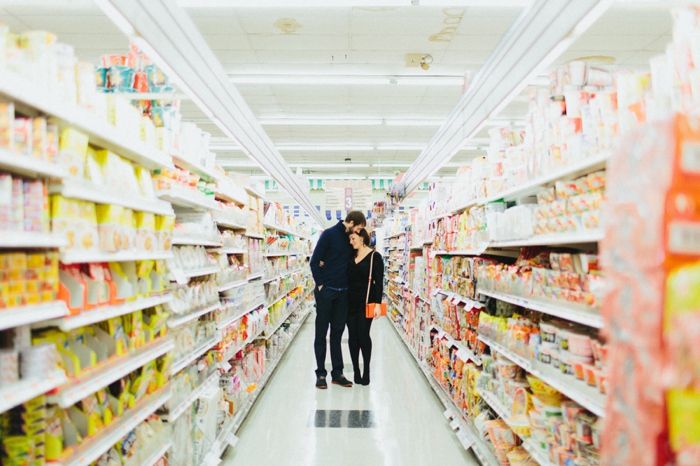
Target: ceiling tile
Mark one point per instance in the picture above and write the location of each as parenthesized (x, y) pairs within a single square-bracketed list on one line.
[(278, 42), (227, 41), (235, 57), (479, 42), (70, 24), (401, 42), (225, 22), (326, 57), (315, 21), (622, 20), (606, 43)]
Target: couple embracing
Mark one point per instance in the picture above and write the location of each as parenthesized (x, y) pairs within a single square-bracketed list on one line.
[(348, 274)]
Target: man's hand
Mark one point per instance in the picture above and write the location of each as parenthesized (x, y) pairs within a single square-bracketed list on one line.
[(321, 263), (320, 287)]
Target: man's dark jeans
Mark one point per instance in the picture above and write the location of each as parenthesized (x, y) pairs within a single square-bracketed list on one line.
[(331, 310)]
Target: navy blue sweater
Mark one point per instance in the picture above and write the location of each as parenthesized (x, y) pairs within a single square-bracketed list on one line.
[(334, 250)]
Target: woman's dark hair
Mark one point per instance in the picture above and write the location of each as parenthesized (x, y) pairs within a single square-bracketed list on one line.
[(364, 235)]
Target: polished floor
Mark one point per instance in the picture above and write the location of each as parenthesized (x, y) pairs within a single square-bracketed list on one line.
[(396, 421)]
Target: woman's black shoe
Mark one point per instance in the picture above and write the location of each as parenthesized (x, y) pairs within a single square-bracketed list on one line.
[(365, 379), (358, 377)]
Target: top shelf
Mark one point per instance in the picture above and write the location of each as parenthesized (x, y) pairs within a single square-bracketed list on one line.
[(99, 131), (284, 230), (196, 168), (585, 166)]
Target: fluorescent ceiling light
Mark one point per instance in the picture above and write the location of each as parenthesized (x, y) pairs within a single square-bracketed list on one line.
[(400, 146), (324, 147), (347, 80), (380, 177), (337, 177), (320, 121), (391, 165), (329, 165), (347, 121), (345, 3)]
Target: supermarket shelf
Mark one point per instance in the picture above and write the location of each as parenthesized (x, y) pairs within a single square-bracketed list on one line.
[(240, 417), (282, 275), (212, 380), (461, 252), (22, 391), (194, 167), (175, 322), (284, 230), (255, 276), (584, 167), (279, 297), (464, 353), (99, 131), (581, 315), (95, 379), (536, 453), (27, 165), (232, 251), (201, 272), (195, 354), (234, 318), (229, 224), (82, 257), (585, 237), (225, 438), (254, 192), (194, 241), (26, 315), (86, 191), (30, 239), (91, 449), (152, 459), (238, 196), (188, 198), (254, 235), (102, 313), (458, 298), (295, 307), (578, 391), (232, 285), (467, 433), (283, 254), (395, 235)]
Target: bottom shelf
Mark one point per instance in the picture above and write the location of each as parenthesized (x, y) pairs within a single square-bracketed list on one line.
[(157, 454), (467, 434)]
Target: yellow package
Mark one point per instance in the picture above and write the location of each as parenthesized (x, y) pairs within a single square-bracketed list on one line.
[(165, 224), (145, 182), (72, 147), (128, 225), (109, 227), (88, 237), (93, 168), (146, 239)]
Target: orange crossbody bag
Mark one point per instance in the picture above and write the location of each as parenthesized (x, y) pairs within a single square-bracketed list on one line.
[(373, 310)]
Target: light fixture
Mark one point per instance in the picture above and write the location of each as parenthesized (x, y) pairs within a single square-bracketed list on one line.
[(320, 121), (346, 3), (347, 80), (337, 177), (324, 147), (401, 147), (391, 165), (329, 165)]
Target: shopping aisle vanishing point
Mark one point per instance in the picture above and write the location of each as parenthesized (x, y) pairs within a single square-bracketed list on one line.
[(408, 425)]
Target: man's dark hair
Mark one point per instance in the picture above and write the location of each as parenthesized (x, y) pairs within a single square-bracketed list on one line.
[(356, 217)]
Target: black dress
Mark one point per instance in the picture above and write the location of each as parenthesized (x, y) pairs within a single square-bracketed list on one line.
[(358, 325)]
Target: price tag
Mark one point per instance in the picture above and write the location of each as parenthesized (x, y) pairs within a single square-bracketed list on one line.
[(456, 299), (448, 414), (465, 440), (454, 425), (463, 355), (232, 439)]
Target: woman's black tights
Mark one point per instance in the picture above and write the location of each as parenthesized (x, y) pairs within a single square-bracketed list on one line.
[(360, 341)]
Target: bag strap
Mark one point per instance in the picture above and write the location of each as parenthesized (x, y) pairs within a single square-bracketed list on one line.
[(369, 279)]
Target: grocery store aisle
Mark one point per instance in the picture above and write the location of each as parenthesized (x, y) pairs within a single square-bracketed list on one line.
[(409, 428)]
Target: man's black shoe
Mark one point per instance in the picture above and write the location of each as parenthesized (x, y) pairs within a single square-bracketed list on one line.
[(342, 381), (321, 382)]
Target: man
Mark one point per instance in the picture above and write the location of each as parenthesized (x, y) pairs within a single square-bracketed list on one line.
[(329, 266)]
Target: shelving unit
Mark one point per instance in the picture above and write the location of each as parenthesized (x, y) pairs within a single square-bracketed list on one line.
[(102, 313), (175, 322), (30, 166), (195, 354), (22, 391), (30, 240), (232, 285), (195, 241), (188, 199), (85, 191), (94, 379), (93, 448), (157, 454), (178, 410), (84, 257), (27, 315)]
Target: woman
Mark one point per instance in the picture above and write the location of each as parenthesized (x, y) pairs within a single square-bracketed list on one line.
[(363, 289)]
